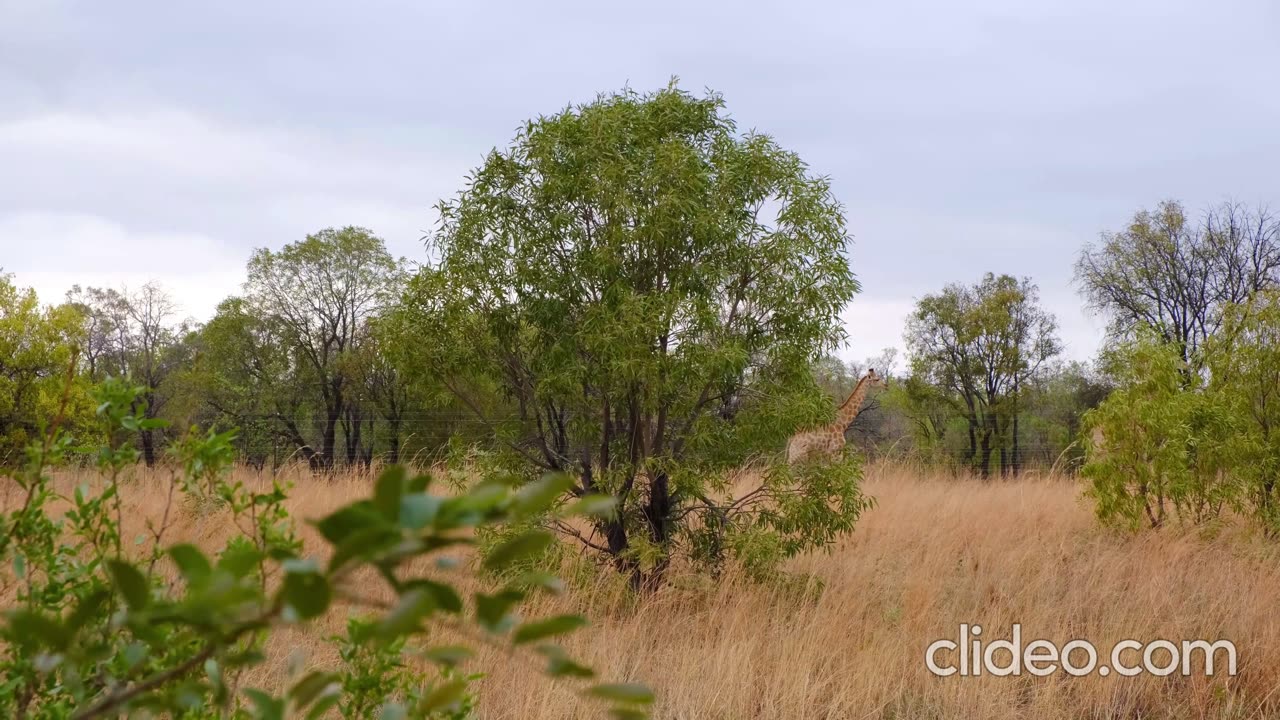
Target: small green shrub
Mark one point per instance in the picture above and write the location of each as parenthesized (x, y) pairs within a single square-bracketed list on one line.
[(374, 672), (95, 633), (793, 510)]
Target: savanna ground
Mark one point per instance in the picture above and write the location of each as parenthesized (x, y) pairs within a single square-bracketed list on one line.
[(936, 551)]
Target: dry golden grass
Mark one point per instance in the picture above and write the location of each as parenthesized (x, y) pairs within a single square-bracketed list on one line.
[(936, 552)]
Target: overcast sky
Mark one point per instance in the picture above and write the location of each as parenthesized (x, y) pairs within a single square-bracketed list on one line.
[(165, 140)]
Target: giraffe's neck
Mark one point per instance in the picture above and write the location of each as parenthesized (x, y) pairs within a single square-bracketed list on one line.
[(849, 410)]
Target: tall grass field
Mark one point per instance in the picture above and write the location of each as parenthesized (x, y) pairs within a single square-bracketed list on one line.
[(845, 635)]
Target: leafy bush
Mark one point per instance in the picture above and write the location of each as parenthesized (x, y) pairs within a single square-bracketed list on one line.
[(1245, 364), (793, 510), (36, 347), (94, 632), (1160, 442), (1192, 437), (373, 671)]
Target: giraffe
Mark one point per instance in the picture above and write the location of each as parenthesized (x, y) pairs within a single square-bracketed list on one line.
[(829, 439)]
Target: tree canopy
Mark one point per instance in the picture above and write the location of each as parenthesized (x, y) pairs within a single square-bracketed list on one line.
[(1176, 275), (287, 355), (38, 347), (978, 345), (647, 287)]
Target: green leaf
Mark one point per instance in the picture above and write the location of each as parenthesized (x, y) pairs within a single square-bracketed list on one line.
[(213, 671), (418, 511), (87, 609), (130, 583), (559, 664), (448, 655), (307, 592), (192, 563), (133, 653), (599, 506), (540, 579), (324, 705), (239, 558), (244, 658), (628, 713), (550, 627), (467, 509), (419, 483), (445, 597), (265, 705), (517, 548), (364, 544), (492, 610), (406, 618), (191, 694), (300, 565), (622, 692), (34, 630), (445, 696), (343, 522), (388, 490), (312, 685), (393, 711), (540, 495)]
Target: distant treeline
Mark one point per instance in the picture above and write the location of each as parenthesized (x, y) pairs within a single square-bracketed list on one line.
[(338, 353)]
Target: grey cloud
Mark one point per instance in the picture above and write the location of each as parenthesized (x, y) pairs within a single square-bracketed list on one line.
[(985, 135)]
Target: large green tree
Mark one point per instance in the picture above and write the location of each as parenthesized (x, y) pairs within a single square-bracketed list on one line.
[(244, 376), (980, 344), (136, 336), (38, 345), (320, 293), (648, 288), (288, 354)]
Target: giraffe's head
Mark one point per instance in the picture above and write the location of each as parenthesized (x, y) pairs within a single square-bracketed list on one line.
[(874, 380)]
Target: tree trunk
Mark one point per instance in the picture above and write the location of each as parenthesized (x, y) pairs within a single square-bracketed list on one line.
[(367, 456), (351, 431), (1002, 446), (614, 530), (971, 454), (146, 436), (1017, 450), (657, 515), (988, 433), (393, 452), (983, 461), (148, 448), (330, 438)]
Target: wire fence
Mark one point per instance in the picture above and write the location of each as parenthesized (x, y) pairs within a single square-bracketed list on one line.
[(423, 437)]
